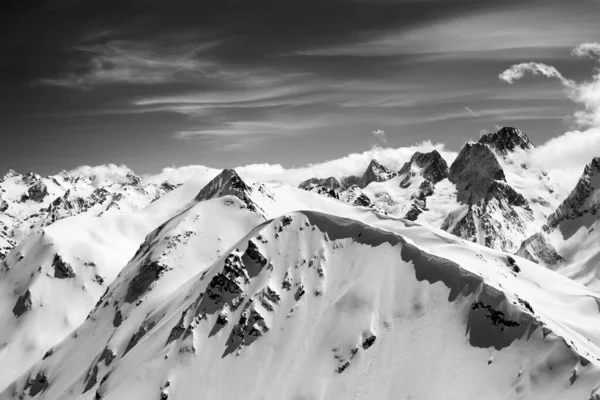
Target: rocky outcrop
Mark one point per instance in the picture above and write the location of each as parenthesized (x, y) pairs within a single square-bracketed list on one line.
[(23, 304), (355, 196), (583, 200), (375, 172), (474, 172), (431, 166), (3, 205), (507, 139), (328, 184), (62, 270), (538, 248), (228, 183), (37, 192), (148, 273)]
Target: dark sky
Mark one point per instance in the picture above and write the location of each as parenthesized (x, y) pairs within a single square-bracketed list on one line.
[(225, 83)]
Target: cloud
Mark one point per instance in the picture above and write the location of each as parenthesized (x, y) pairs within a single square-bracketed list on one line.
[(126, 62), (566, 155), (517, 72), (352, 164), (379, 134), (102, 173), (473, 113), (590, 50)]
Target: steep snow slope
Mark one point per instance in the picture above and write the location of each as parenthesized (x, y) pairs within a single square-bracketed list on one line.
[(569, 241), (50, 282), (310, 305)]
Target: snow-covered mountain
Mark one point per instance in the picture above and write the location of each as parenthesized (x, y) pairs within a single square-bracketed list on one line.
[(385, 285), (30, 202), (492, 193), (570, 240)]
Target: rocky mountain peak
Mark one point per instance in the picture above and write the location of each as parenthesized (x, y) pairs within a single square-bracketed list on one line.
[(474, 171), (227, 183), (507, 139), (376, 172), (433, 166)]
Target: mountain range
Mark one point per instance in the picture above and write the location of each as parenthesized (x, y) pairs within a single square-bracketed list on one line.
[(443, 279)]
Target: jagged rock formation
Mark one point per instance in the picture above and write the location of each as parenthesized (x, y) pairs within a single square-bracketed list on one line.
[(507, 139), (431, 166), (492, 212), (228, 182), (538, 249), (375, 172), (475, 173), (578, 213), (583, 201)]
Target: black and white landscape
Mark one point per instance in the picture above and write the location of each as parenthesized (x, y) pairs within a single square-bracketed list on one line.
[(440, 266)]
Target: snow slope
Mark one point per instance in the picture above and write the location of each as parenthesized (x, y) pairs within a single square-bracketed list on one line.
[(51, 281), (568, 242), (336, 302)]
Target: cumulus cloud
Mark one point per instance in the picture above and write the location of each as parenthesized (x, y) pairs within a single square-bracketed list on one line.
[(103, 173), (590, 50), (352, 164), (566, 155), (379, 134)]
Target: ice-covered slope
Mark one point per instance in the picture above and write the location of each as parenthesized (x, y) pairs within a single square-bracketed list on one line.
[(569, 242)]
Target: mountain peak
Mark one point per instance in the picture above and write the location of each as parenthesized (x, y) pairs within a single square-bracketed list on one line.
[(507, 139), (227, 183), (433, 166), (376, 172), (474, 171)]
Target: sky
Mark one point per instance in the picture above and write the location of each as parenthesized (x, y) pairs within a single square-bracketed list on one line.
[(153, 84)]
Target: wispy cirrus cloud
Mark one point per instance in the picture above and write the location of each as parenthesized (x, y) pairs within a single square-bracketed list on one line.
[(126, 62)]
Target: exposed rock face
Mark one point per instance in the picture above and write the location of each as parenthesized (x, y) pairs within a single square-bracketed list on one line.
[(507, 139), (419, 203), (432, 165), (3, 206), (493, 213), (330, 183), (375, 172), (149, 273), (326, 187), (227, 183), (62, 270), (355, 196), (474, 171), (37, 192), (23, 304), (538, 248), (583, 200)]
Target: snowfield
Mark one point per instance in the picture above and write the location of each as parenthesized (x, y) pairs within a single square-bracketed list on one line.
[(391, 285)]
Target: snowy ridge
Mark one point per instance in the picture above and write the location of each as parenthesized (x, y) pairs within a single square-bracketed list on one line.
[(256, 299)]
